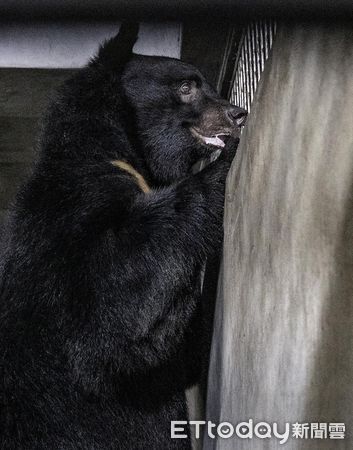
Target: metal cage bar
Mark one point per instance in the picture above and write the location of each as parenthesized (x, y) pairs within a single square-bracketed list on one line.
[(253, 50)]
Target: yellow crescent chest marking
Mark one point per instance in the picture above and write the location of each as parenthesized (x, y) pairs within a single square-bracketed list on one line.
[(142, 183)]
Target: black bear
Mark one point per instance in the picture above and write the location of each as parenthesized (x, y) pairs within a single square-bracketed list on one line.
[(101, 328)]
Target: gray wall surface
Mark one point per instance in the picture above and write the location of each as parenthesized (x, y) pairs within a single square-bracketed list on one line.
[(71, 44), (282, 349)]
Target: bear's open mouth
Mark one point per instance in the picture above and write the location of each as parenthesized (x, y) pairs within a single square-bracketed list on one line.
[(216, 140)]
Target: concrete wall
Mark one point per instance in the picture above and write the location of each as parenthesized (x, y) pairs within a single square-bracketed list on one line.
[(282, 348), (71, 44)]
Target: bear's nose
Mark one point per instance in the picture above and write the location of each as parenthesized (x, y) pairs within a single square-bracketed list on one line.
[(237, 115)]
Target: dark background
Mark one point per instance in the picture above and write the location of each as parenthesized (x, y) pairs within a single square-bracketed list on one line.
[(175, 9)]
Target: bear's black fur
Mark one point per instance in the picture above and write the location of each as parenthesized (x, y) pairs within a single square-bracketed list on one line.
[(101, 328)]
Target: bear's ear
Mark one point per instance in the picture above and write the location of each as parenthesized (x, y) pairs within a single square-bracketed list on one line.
[(117, 51)]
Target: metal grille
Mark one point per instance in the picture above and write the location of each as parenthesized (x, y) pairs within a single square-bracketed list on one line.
[(253, 50)]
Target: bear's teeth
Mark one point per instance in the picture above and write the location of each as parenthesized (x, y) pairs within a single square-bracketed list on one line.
[(216, 141)]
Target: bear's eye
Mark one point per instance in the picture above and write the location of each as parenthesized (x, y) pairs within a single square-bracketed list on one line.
[(186, 87)]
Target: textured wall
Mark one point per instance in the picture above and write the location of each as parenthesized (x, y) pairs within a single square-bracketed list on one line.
[(283, 341)]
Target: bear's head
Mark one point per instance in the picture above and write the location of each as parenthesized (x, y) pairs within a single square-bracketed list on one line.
[(178, 117)]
